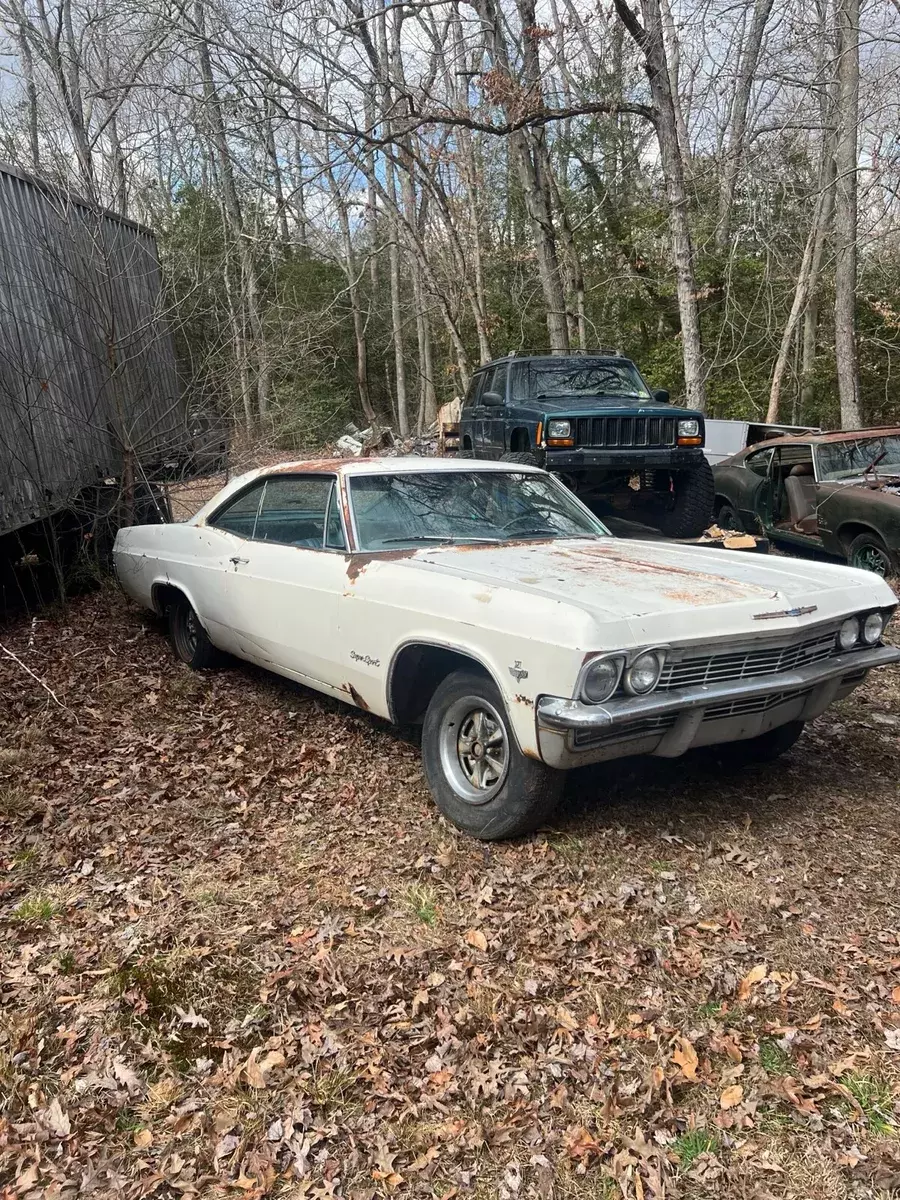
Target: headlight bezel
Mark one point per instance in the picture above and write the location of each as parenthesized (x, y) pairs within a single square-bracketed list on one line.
[(689, 427), (624, 661), (559, 427)]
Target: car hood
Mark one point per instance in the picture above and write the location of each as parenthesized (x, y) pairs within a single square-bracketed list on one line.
[(620, 578), (610, 406)]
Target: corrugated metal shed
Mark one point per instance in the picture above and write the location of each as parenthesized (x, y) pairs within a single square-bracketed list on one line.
[(87, 361)]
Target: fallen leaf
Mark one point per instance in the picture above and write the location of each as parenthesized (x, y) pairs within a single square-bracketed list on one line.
[(476, 938), (256, 1070), (755, 975), (56, 1120), (895, 994), (143, 1139), (892, 1037), (686, 1057), (731, 1097)]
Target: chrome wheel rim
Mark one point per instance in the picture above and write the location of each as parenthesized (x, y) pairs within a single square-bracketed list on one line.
[(870, 558), (188, 631), (474, 746)]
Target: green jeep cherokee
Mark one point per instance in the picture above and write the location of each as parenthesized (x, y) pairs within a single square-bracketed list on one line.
[(591, 419)]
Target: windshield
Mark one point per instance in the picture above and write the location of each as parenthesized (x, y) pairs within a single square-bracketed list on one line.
[(445, 507), (850, 459), (583, 377)]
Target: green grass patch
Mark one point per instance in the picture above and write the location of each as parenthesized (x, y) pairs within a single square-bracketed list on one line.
[(773, 1059), (691, 1144), (876, 1099), (35, 908), (709, 1008), (422, 900)]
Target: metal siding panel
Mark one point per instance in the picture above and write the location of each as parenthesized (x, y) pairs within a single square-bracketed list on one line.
[(72, 279)]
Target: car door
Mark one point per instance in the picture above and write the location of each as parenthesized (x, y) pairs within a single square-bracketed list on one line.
[(283, 592), (754, 499), (481, 415), (495, 417), (468, 420)]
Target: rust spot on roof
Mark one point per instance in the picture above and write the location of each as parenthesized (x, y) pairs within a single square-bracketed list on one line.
[(328, 466)]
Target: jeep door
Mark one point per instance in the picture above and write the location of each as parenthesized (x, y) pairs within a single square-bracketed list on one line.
[(470, 417)]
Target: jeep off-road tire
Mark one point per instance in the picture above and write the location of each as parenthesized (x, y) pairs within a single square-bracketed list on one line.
[(691, 509), (526, 458), (478, 776), (189, 639)]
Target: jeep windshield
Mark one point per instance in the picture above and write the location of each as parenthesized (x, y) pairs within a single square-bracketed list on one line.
[(464, 507), (856, 457), (546, 380)]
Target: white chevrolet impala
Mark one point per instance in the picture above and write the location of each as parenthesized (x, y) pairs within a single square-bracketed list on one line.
[(484, 601)]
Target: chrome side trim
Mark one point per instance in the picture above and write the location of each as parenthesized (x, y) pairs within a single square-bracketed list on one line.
[(556, 713)]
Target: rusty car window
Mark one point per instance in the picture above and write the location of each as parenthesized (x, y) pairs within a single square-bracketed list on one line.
[(334, 529), (239, 516), (293, 511), (759, 463), (855, 457)]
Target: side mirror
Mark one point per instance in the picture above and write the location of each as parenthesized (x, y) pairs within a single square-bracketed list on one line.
[(661, 396), (491, 399)]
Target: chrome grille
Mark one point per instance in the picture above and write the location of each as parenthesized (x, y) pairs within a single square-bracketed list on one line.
[(754, 704), (694, 671), (624, 432), (626, 732)]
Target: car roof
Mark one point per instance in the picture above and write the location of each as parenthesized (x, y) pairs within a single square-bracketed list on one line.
[(402, 464), (832, 435)]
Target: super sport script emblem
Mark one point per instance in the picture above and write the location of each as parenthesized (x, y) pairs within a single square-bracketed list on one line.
[(785, 612)]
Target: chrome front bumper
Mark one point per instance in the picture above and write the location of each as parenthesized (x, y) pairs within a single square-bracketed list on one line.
[(571, 732)]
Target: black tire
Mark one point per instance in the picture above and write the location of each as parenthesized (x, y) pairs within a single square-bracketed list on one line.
[(727, 518), (691, 510), (520, 793), (869, 553), (527, 458), (763, 749), (189, 639)]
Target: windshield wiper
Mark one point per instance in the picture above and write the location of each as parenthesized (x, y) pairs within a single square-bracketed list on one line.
[(444, 539)]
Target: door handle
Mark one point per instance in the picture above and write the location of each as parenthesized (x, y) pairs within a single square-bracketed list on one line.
[(237, 561)]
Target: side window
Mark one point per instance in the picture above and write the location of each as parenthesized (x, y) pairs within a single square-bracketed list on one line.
[(474, 388), (499, 381), (334, 530), (240, 515), (488, 377), (293, 511), (759, 462)]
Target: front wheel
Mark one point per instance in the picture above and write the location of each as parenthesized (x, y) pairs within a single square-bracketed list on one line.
[(869, 553), (479, 778), (763, 749), (688, 508), (189, 639)]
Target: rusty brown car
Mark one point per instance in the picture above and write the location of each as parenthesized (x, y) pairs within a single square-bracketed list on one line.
[(838, 493)]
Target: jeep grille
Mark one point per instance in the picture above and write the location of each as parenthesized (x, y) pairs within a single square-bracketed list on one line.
[(624, 432)]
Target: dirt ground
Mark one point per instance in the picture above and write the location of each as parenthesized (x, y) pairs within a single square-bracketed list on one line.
[(242, 955)]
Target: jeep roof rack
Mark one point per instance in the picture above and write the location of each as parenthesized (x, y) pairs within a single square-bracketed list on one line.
[(536, 352)]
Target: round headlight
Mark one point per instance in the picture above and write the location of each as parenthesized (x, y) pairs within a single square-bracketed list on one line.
[(601, 679), (849, 633), (873, 628), (643, 674)]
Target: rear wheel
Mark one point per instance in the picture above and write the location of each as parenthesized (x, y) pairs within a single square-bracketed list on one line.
[(869, 553), (688, 509), (479, 778), (189, 639)]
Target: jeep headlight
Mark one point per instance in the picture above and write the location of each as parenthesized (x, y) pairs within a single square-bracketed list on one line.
[(689, 429), (643, 674), (560, 429), (601, 679)]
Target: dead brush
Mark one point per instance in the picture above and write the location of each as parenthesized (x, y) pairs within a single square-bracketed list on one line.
[(17, 804)]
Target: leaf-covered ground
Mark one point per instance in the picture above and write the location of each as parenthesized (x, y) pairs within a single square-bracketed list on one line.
[(242, 955)]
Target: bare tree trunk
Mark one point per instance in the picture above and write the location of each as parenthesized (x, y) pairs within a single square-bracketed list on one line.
[(673, 58), (31, 94), (801, 293), (650, 39), (845, 214), (734, 155)]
